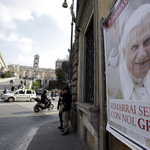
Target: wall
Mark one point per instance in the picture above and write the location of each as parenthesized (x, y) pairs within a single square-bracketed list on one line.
[(90, 140), (87, 112), (87, 122), (114, 144), (30, 73), (6, 79)]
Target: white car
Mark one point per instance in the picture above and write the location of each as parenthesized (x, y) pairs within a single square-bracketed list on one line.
[(20, 95)]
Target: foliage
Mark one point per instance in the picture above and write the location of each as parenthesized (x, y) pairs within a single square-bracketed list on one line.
[(6, 74), (61, 75), (65, 66), (55, 84), (36, 85)]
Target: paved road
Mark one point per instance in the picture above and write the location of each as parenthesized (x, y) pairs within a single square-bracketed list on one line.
[(8, 85), (17, 119)]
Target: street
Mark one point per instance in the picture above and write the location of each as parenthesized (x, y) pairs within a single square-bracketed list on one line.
[(17, 119)]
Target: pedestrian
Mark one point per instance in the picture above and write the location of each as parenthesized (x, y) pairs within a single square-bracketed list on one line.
[(60, 101), (5, 90), (52, 95), (66, 110), (13, 88), (21, 82), (25, 83)]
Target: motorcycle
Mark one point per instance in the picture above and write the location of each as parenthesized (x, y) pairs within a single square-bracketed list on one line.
[(40, 106)]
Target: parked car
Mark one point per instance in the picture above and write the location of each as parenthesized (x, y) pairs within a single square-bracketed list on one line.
[(20, 95), (39, 91)]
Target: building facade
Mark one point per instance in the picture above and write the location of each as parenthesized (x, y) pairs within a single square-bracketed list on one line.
[(89, 102), (3, 65), (58, 63), (33, 72)]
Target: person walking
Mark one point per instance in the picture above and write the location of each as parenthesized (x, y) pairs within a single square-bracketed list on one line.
[(21, 82), (60, 101), (13, 88), (66, 110), (25, 83)]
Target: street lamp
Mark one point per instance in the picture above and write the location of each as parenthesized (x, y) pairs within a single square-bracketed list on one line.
[(65, 5)]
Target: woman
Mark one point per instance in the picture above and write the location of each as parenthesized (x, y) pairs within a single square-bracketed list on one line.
[(58, 106)]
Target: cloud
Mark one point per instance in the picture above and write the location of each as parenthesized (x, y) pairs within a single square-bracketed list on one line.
[(25, 40), (23, 43), (6, 18), (25, 48), (48, 58), (24, 60), (24, 10)]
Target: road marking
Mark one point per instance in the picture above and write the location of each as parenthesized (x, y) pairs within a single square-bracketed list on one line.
[(28, 139), (1, 104)]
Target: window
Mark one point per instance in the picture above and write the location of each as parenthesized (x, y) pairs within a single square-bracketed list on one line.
[(21, 92), (28, 92), (33, 92), (52, 72), (20, 69), (89, 78)]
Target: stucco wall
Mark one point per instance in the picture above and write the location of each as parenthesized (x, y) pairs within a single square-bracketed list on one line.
[(90, 140), (114, 144)]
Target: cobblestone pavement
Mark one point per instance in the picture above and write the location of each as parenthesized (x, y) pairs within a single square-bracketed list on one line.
[(17, 119)]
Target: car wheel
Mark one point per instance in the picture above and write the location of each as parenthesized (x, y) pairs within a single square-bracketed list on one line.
[(10, 99), (51, 106), (32, 100)]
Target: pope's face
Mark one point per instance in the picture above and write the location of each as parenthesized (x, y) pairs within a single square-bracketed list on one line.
[(137, 51)]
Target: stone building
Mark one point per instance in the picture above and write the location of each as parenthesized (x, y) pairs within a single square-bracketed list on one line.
[(89, 103), (3, 65), (35, 71), (58, 63)]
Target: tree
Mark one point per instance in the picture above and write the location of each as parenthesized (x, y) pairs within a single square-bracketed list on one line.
[(6, 74), (61, 75), (65, 67)]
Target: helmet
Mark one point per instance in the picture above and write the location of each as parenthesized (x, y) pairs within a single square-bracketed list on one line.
[(45, 91)]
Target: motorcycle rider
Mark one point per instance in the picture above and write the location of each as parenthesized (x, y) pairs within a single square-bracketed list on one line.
[(44, 98)]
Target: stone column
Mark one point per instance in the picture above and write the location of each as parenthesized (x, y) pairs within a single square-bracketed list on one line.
[(30, 73), (23, 73), (74, 83)]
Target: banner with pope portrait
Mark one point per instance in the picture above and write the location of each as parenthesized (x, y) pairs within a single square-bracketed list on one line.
[(127, 60)]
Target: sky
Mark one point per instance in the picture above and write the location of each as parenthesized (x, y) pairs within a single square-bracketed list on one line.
[(30, 27)]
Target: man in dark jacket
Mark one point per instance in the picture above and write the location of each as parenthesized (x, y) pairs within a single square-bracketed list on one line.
[(66, 111), (13, 88), (44, 98)]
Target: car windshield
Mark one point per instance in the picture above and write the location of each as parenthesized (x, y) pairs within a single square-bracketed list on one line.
[(15, 91)]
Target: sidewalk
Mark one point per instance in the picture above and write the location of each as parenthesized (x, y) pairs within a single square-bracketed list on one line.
[(48, 137)]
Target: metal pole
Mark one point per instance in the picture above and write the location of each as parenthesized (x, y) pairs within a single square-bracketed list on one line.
[(70, 62)]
